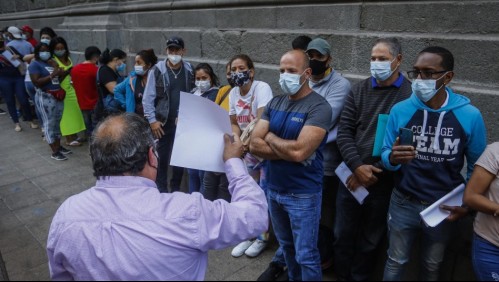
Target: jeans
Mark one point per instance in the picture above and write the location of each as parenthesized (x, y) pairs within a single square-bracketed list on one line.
[(30, 89), (196, 178), (87, 118), (404, 225), (165, 147), (215, 186), (358, 232), (485, 257), (296, 225), (12, 88)]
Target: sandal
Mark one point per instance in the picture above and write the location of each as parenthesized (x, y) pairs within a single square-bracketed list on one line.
[(74, 144)]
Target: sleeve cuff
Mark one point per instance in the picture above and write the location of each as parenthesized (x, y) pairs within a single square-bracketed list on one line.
[(386, 162), (235, 168)]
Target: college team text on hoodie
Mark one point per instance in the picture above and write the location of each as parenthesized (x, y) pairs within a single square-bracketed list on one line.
[(443, 138)]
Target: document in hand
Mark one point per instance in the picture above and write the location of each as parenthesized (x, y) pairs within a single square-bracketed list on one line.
[(199, 142), (343, 172), (434, 215), (8, 55)]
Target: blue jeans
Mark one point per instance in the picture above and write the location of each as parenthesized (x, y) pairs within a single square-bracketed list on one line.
[(404, 225), (485, 257), (358, 232), (195, 180), (296, 225), (30, 89), (12, 88), (51, 111), (87, 118)]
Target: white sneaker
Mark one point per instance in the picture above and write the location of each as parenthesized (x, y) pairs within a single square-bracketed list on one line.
[(241, 248), (33, 125), (18, 128), (256, 248)]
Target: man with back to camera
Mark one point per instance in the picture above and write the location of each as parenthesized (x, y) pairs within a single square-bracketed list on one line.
[(161, 102), (291, 135), (447, 128), (125, 229)]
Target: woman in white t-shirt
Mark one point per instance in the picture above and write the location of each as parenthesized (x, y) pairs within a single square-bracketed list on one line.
[(482, 194), (247, 100)]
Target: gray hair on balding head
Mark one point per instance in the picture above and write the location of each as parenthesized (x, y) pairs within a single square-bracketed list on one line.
[(120, 145), (393, 45)]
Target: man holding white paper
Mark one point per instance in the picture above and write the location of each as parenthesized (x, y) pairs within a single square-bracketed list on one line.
[(361, 227), (447, 128)]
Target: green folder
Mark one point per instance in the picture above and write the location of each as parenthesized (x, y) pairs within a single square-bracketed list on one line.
[(380, 134)]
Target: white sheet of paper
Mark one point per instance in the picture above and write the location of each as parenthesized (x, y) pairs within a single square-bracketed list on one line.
[(199, 142), (434, 215), (343, 172), (8, 55)]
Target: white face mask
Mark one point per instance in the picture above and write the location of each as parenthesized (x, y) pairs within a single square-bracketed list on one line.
[(174, 59), (203, 85), (290, 83), (381, 71), (45, 40), (424, 89)]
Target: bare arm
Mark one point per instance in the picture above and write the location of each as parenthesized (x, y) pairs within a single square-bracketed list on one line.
[(110, 86), (477, 186), (258, 146), (297, 150), (235, 125)]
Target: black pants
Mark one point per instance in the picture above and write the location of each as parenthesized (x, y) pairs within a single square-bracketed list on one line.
[(216, 186), (165, 147)]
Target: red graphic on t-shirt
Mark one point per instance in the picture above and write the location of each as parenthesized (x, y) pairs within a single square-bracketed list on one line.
[(243, 105)]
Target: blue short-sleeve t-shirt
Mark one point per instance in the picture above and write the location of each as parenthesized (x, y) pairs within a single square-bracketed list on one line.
[(286, 120), (44, 69)]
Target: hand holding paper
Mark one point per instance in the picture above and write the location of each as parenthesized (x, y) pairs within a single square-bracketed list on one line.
[(199, 142), (434, 215), (343, 173)]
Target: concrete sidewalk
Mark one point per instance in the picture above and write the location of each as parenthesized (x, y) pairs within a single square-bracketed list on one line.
[(33, 186)]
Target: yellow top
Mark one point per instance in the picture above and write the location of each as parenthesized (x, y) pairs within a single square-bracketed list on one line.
[(221, 93)]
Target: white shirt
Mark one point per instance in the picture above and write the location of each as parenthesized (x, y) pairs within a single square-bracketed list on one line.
[(240, 105)]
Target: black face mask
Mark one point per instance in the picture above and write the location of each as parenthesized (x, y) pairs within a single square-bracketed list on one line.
[(231, 82), (318, 67)]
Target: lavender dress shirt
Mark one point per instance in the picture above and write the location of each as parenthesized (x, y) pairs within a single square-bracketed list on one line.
[(124, 229)]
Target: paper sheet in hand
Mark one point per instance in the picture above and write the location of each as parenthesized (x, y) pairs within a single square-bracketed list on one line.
[(8, 55), (343, 172), (434, 215), (199, 142)]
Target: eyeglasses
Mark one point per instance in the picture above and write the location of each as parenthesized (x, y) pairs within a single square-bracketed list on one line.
[(424, 74)]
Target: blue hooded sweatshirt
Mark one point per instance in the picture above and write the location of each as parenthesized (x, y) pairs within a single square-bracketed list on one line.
[(442, 139)]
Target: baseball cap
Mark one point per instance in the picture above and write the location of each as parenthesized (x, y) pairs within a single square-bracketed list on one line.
[(175, 41), (16, 32), (320, 45), (27, 28)]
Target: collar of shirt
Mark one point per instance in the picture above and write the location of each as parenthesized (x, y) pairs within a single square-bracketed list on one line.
[(124, 182), (397, 82)]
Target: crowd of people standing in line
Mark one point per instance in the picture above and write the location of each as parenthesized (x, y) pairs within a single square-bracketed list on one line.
[(298, 139)]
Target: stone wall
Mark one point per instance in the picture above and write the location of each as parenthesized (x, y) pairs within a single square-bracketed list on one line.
[(215, 30)]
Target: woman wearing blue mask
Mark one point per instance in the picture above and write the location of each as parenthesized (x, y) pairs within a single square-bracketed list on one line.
[(72, 119), (129, 93), (46, 76), (111, 64)]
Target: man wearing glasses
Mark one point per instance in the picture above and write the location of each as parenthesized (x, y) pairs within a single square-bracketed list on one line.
[(360, 228), (447, 128)]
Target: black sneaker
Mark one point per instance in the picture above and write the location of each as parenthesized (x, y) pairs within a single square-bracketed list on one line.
[(272, 273), (2, 112), (64, 151), (59, 157)]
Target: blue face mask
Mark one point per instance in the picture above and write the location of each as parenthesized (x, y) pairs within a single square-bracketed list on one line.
[(424, 89), (381, 71), (121, 67), (45, 40), (290, 83), (59, 53), (139, 70), (45, 56)]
